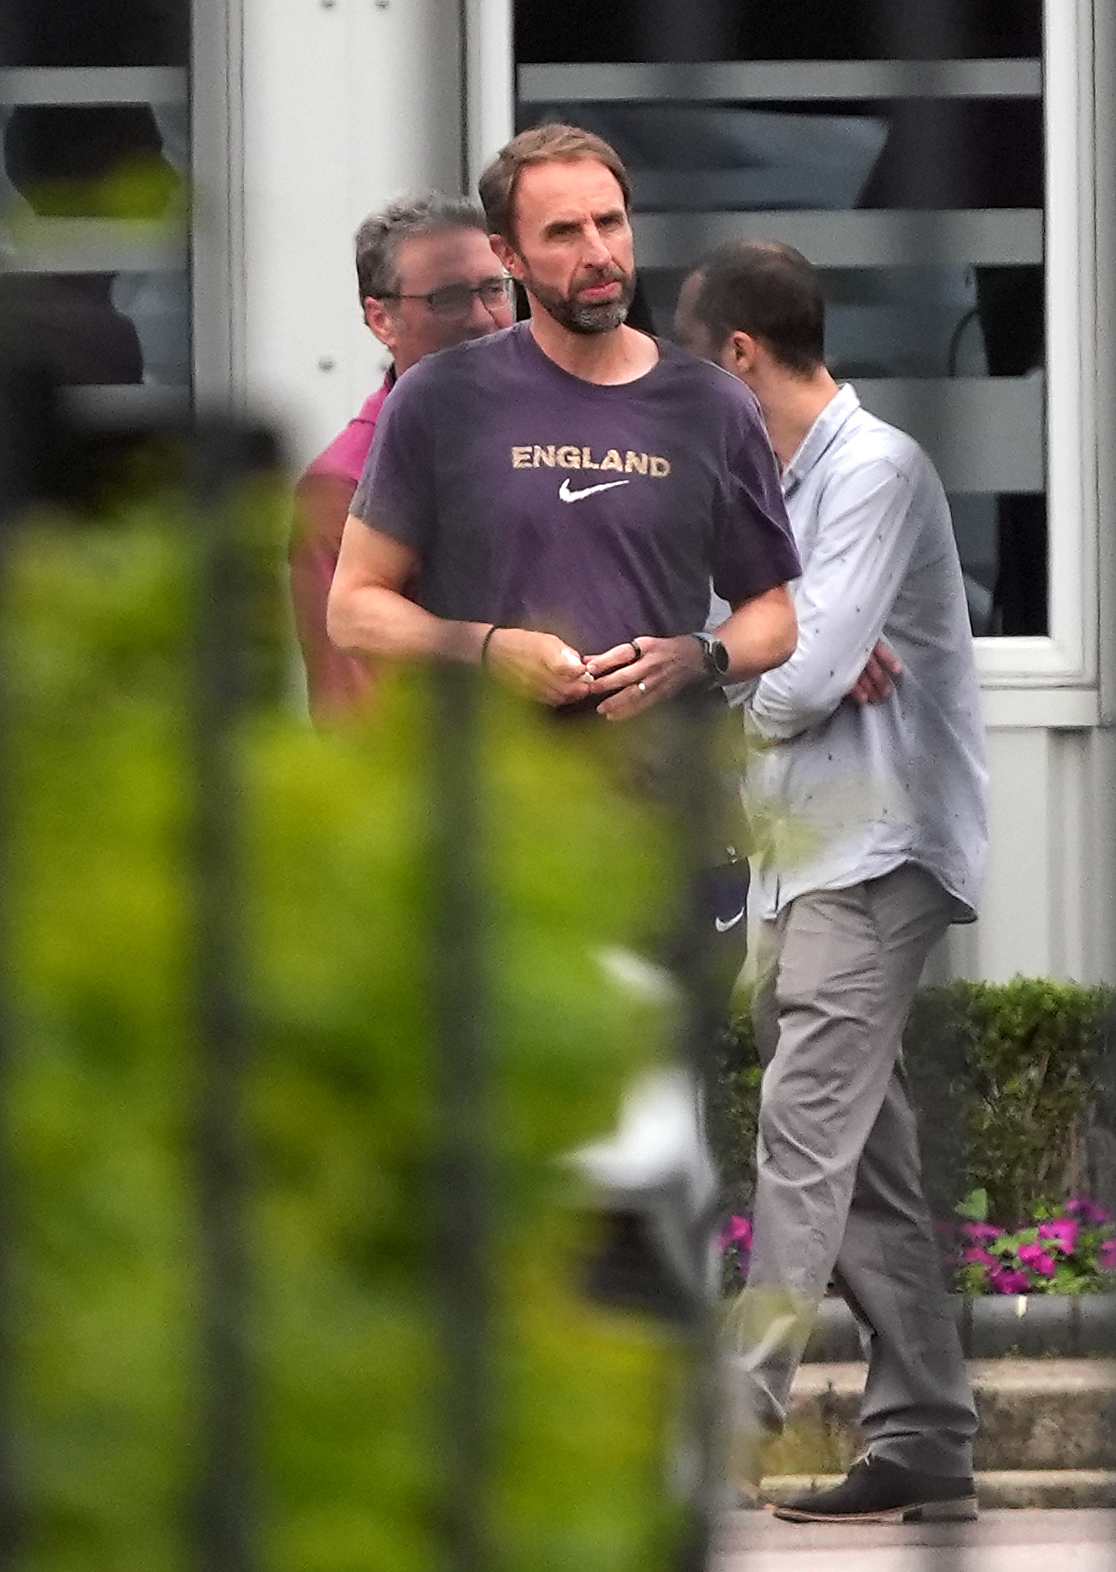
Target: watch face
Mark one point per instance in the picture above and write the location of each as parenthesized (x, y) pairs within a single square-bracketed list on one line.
[(715, 655)]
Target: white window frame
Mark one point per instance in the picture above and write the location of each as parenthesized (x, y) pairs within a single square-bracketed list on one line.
[(489, 61), (1067, 658), (219, 290)]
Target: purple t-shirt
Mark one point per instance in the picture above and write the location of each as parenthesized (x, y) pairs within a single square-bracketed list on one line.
[(535, 499)]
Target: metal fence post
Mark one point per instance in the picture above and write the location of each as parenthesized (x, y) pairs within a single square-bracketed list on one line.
[(462, 1172), (26, 413), (225, 459)]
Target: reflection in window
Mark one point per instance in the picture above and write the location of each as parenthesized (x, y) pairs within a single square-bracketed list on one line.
[(94, 120), (903, 154)]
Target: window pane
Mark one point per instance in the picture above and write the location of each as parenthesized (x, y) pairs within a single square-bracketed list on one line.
[(94, 33), (93, 191), (793, 30), (901, 149)]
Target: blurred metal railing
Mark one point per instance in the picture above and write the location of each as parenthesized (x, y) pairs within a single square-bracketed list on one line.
[(218, 462)]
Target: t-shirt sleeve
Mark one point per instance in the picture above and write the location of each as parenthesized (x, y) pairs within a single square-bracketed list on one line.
[(753, 548), (396, 489)]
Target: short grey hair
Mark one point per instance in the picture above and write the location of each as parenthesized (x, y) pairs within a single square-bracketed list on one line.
[(379, 238)]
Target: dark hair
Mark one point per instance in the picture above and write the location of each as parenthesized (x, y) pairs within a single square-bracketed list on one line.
[(768, 290), (549, 144), (380, 237)]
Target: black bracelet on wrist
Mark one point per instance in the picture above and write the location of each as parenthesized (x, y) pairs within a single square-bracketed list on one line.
[(484, 643)]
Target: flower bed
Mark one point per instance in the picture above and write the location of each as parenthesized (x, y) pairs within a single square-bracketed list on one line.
[(1062, 1250), (1014, 1085), (1065, 1250)]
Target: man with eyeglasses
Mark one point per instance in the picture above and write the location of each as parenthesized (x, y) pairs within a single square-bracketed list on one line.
[(427, 279)]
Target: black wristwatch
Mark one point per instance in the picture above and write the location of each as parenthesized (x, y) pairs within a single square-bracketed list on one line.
[(715, 656)]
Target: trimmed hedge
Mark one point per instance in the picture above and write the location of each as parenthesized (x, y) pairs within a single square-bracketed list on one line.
[(1013, 1084)]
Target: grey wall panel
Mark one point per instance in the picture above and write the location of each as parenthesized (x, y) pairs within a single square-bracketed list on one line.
[(984, 434), (754, 81), (1049, 906), (94, 85), (865, 238)]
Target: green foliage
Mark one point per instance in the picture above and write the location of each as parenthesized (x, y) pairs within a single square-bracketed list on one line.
[(1007, 1080), (337, 865), (1021, 1070), (733, 1106), (1069, 1249)]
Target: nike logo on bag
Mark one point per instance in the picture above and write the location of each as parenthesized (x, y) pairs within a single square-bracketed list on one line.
[(575, 496), (723, 924)]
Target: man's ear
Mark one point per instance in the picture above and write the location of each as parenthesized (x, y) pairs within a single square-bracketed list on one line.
[(740, 353), (508, 257), (381, 321)]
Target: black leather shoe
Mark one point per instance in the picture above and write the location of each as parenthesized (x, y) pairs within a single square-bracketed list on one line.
[(876, 1491)]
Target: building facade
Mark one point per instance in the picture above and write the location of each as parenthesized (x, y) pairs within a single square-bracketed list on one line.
[(952, 171)]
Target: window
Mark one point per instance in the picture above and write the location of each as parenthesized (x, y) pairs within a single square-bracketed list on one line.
[(94, 112), (936, 161)]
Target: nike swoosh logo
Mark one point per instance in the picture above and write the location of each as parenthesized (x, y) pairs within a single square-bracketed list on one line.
[(575, 496), (723, 924)]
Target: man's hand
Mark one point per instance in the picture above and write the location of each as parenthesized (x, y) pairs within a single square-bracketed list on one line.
[(540, 666), (875, 683), (642, 673)]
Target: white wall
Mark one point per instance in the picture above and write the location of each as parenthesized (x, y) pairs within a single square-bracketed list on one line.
[(1050, 900), (346, 104)]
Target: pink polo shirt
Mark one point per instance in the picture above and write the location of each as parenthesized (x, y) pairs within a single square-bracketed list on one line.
[(336, 683), (346, 454)]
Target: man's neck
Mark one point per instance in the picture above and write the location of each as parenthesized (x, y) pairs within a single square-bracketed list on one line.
[(620, 355), (790, 407)]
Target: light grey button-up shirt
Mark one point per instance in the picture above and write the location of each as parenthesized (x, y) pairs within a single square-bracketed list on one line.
[(869, 787)]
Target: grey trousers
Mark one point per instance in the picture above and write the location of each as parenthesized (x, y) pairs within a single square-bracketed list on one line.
[(838, 1185)]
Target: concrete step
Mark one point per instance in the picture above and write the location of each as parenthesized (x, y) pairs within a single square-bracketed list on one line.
[(1036, 1415), (1043, 1489)]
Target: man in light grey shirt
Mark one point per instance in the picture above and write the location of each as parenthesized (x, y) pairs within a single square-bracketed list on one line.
[(871, 742)]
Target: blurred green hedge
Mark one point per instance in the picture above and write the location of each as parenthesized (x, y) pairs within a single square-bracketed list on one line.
[(338, 868), (1011, 1081)]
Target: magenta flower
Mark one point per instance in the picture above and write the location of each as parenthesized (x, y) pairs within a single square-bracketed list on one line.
[(982, 1231), (1005, 1280), (1087, 1212), (737, 1231), (1107, 1256), (976, 1255), (1062, 1231), (1034, 1256)]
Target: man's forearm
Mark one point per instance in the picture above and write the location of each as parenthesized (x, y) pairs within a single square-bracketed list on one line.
[(374, 620), (759, 635), (809, 688)]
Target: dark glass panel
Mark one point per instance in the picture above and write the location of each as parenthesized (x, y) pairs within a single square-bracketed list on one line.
[(95, 33), (699, 30)]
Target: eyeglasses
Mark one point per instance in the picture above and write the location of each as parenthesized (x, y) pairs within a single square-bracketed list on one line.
[(456, 300)]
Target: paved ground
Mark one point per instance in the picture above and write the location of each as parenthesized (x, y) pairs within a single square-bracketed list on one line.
[(1069, 1541)]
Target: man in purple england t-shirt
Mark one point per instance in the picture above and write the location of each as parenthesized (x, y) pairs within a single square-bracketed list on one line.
[(563, 493)]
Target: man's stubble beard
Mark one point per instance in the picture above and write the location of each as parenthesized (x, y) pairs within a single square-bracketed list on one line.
[(590, 317)]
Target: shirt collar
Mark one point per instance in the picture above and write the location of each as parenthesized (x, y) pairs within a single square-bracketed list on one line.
[(843, 404)]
